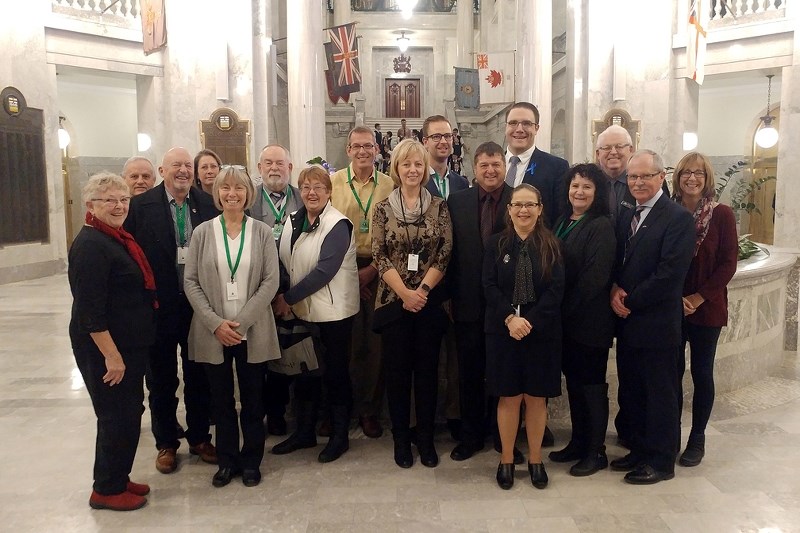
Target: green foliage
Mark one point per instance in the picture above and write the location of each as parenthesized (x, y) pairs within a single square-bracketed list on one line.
[(742, 190), (749, 248)]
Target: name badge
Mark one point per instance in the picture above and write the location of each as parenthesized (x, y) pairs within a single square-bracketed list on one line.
[(364, 227), (413, 262), (232, 290), (277, 229), (183, 253)]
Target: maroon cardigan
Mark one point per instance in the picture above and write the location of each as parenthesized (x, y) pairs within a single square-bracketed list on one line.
[(712, 268)]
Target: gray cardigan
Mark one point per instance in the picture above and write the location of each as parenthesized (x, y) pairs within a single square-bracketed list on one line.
[(203, 290)]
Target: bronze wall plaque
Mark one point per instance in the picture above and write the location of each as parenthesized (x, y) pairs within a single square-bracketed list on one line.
[(620, 117), (228, 135)]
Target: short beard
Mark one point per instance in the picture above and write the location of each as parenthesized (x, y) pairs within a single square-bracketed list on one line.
[(274, 184)]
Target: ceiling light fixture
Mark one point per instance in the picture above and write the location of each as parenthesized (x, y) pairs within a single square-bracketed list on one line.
[(767, 135), (403, 42)]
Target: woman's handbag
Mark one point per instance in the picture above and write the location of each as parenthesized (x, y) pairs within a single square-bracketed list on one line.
[(300, 349)]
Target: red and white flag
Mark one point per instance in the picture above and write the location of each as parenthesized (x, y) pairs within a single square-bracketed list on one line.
[(342, 56), (496, 75), (699, 17)]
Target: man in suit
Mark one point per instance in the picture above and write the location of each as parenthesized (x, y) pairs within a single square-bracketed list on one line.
[(275, 199), (438, 141), (527, 164), (161, 220), (139, 174), (476, 213), (378, 137), (655, 245)]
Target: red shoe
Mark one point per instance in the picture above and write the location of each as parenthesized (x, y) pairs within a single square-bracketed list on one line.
[(139, 489), (117, 502)]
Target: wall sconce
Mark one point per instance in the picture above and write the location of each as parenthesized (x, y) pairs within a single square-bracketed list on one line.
[(689, 141), (403, 42), (767, 135), (63, 135), (143, 142)]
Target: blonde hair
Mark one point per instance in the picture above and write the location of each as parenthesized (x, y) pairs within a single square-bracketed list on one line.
[(102, 182), (405, 149), (684, 163), (239, 176)]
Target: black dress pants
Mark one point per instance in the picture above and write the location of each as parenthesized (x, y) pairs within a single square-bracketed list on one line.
[(703, 349), (119, 414), (471, 346), (250, 377)]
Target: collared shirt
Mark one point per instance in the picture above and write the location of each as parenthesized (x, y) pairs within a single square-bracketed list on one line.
[(495, 194), (173, 205), (432, 174), (648, 206), (522, 166), (343, 200)]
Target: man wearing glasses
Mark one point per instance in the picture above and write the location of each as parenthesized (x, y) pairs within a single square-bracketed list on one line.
[(438, 141), (655, 245), (356, 190), (161, 220), (527, 164)]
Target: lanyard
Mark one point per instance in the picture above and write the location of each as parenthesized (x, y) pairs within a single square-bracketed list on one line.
[(417, 223), (562, 232), (233, 268), (441, 183), (180, 220), (277, 214), (355, 194)]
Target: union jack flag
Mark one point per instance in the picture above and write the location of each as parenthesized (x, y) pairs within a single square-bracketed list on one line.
[(342, 55)]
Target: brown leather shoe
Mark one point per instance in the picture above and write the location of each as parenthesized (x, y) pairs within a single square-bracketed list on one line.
[(371, 426), (124, 501), (206, 451), (167, 460)]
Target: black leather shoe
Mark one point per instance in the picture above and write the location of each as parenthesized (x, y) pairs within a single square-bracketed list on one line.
[(548, 440), (538, 475), (694, 452), (625, 464), (505, 475), (276, 425), (251, 477), (464, 451), (402, 455), (224, 476), (295, 442), (571, 452), (428, 455), (589, 465), (647, 475)]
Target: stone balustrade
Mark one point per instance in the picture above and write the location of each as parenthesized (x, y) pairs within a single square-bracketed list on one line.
[(128, 9), (741, 9)]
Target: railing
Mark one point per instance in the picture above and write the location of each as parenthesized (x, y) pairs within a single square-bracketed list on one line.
[(735, 9), (127, 9)]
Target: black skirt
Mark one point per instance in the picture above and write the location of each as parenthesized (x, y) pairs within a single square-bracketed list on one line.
[(529, 366)]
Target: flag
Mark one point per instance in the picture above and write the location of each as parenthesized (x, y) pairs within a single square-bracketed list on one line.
[(467, 88), (496, 74), (342, 55), (699, 16), (334, 93), (154, 25)]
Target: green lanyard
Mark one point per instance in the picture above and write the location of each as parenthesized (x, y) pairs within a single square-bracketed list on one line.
[(233, 268), (180, 220), (355, 194), (441, 183), (277, 214), (562, 232)]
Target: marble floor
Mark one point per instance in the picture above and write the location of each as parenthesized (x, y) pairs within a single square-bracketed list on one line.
[(748, 482)]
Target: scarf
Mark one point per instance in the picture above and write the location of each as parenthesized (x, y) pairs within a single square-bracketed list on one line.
[(409, 216), (523, 276), (133, 249), (702, 218)]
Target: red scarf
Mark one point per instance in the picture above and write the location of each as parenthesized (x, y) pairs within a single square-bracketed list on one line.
[(133, 248)]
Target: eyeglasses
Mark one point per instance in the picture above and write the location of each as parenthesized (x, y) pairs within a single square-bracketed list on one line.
[(516, 206), (526, 124), (618, 147), (358, 147), (235, 167), (697, 173), (318, 189), (437, 137), (643, 177), (112, 202)]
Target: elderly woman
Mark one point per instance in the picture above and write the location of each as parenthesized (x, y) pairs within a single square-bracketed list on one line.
[(112, 326), (588, 245), (231, 276), (206, 168), (705, 293), (318, 253), (411, 244), (523, 281)]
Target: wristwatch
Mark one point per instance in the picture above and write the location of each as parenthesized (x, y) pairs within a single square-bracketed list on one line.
[(425, 287)]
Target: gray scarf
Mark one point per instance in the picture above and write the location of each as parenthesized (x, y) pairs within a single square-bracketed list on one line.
[(412, 216)]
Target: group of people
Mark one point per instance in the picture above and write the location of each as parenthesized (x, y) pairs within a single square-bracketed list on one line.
[(528, 272)]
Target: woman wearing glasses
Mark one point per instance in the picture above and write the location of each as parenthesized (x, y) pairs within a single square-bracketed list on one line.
[(112, 327), (705, 293), (231, 276), (588, 245), (318, 255), (411, 244), (523, 280), (207, 165)]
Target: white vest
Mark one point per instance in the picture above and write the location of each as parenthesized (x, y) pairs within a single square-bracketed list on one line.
[(339, 299)]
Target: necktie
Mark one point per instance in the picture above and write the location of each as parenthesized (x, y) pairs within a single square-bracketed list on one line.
[(635, 221), (277, 197), (511, 175), (487, 218)]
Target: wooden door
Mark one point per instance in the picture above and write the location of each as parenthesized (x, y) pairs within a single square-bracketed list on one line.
[(402, 97)]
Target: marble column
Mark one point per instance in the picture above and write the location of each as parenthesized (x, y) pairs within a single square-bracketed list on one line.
[(263, 73), (305, 66), (578, 140), (486, 28), (534, 61), (465, 32), (342, 13)]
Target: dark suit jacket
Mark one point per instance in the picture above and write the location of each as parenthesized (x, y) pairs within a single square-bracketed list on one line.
[(546, 173), (652, 271), (456, 182), (150, 222), (466, 262)]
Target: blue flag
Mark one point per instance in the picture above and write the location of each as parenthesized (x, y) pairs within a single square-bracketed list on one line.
[(467, 88)]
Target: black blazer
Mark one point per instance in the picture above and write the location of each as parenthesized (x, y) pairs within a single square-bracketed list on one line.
[(588, 252), (652, 269), (546, 173), (150, 222), (457, 182), (466, 262)]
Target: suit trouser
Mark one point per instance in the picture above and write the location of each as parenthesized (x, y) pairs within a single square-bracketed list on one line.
[(648, 394), (119, 415), (366, 361), (162, 382), (471, 343)]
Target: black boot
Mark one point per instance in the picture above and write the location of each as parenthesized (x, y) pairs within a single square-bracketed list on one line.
[(339, 441), (303, 436), (695, 450), (576, 449), (596, 423)]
